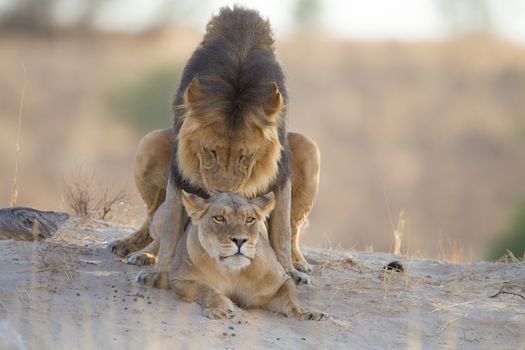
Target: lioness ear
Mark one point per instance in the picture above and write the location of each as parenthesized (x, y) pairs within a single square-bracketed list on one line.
[(195, 205), (193, 93), (264, 204), (275, 102)]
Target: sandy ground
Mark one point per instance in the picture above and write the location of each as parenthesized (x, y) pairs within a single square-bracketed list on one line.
[(69, 292)]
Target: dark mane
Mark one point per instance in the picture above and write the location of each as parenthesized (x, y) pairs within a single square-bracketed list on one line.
[(236, 67)]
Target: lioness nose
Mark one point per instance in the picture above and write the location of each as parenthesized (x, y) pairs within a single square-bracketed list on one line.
[(239, 241)]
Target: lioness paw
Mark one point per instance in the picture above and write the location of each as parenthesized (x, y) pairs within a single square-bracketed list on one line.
[(219, 308), (302, 314), (141, 259), (299, 277), (313, 316), (215, 313), (153, 278)]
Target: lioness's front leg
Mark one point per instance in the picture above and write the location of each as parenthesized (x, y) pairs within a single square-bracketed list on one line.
[(280, 233), (286, 303), (214, 304), (171, 228)]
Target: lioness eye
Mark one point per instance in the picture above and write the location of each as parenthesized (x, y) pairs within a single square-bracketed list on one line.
[(219, 219), (250, 219), (213, 153)]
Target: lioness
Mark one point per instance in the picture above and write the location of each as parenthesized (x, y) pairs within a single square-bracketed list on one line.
[(229, 135), (224, 255)]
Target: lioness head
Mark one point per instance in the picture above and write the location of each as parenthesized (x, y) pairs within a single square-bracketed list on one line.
[(228, 225), (230, 147)]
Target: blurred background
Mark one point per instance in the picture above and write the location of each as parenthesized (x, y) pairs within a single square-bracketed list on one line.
[(418, 107)]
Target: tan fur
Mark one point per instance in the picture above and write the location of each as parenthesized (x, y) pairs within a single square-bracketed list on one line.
[(151, 169), (224, 256)]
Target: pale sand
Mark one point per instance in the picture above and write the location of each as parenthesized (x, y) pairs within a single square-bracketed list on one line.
[(69, 292)]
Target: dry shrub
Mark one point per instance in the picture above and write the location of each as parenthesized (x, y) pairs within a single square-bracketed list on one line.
[(80, 195)]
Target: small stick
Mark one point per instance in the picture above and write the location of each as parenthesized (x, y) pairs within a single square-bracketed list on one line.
[(502, 291)]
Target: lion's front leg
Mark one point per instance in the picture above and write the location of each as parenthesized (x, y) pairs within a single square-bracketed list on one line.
[(171, 228), (214, 304), (151, 176), (280, 233), (306, 163)]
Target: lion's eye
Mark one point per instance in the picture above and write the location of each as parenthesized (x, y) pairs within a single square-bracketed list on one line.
[(213, 153), (250, 219), (219, 219)]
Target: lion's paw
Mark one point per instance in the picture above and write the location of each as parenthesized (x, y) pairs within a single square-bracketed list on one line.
[(224, 310), (119, 247), (141, 259), (153, 278), (299, 277), (303, 314), (302, 266), (313, 316)]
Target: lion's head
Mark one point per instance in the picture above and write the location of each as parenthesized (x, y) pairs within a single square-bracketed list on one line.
[(228, 225), (230, 149)]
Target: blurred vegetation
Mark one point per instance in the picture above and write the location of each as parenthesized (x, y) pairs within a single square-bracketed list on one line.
[(146, 103), (514, 238)]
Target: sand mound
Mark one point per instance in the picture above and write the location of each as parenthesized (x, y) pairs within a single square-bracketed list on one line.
[(70, 292)]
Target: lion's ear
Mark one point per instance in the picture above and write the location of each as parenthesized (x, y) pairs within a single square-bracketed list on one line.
[(195, 205), (193, 93), (275, 102), (264, 204)]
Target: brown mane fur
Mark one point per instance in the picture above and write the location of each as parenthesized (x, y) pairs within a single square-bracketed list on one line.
[(232, 95)]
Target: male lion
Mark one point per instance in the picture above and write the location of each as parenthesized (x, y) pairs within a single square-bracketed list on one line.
[(229, 135), (224, 255)]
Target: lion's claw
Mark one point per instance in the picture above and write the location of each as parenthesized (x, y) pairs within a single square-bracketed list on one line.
[(141, 259), (153, 278), (219, 312), (299, 277), (118, 247), (302, 266)]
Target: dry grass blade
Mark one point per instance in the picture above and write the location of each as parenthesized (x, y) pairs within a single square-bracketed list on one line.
[(3, 306), (14, 188)]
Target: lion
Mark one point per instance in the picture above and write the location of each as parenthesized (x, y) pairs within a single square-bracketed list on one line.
[(224, 256), (229, 135)]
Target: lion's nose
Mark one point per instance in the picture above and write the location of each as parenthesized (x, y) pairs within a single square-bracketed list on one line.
[(239, 241)]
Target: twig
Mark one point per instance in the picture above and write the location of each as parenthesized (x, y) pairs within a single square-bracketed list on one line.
[(502, 291)]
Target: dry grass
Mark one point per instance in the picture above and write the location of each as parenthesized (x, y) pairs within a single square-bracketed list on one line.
[(450, 250), (510, 258), (14, 187)]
